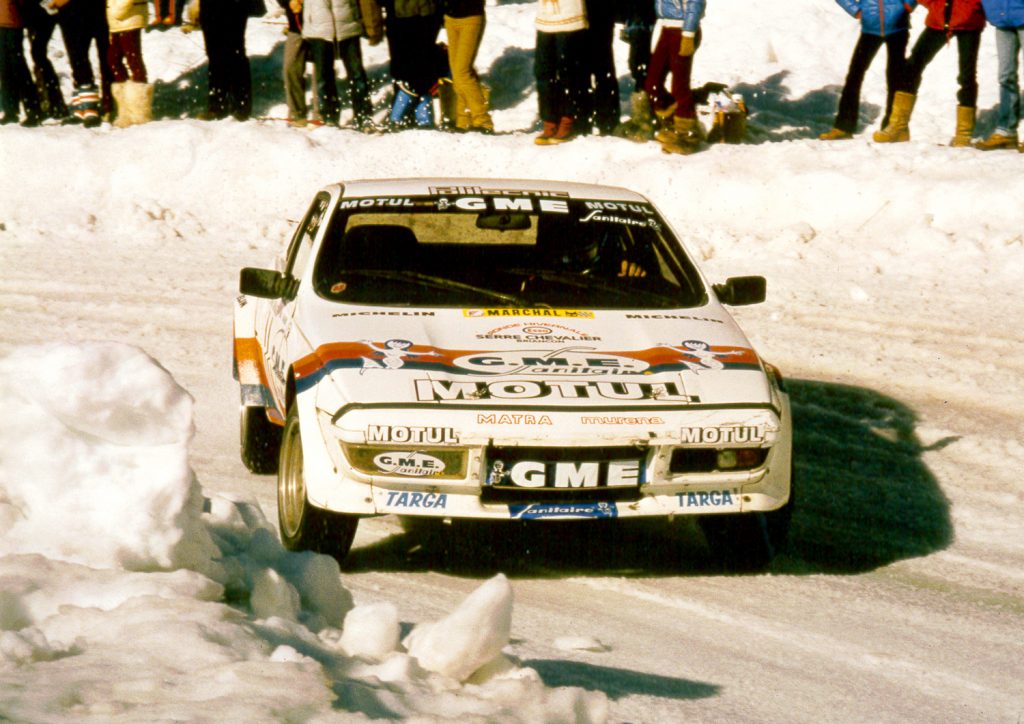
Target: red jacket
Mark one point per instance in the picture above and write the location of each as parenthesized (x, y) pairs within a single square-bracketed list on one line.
[(951, 15)]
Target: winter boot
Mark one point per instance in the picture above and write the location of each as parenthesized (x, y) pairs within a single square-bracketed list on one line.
[(964, 127), (997, 141), (548, 132), (898, 129), (85, 105), (424, 112), (663, 117), (402, 106), (140, 101), (836, 134), (684, 137), (566, 130), (640, 126)]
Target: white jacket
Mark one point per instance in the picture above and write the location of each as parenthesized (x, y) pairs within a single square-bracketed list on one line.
[(125, 15), (331, 19), (561, 16)]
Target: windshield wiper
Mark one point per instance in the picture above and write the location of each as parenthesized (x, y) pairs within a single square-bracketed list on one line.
[(442, 283)]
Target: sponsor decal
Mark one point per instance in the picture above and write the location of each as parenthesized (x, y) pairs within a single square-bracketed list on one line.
[(450, 391), (381, 313), (529, 312), (609, 420), (709, 499), (512, 418), (391, 355), (401, 354), (718, 435), (418, 435), (548, 333), (379, 202), (416, 500), (698, 356), (578, 361), (410, 463), (689, 317), (502, 203), (619, 206), (483, 191), (564, 474), (563, 510)]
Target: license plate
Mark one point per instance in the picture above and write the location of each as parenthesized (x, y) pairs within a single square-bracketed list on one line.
[(525, 473)]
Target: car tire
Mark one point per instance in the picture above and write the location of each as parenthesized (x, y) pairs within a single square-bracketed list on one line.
[(748, 542), (260, 441), (304, 526)]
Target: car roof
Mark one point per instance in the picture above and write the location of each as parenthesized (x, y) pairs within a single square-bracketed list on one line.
[(434, 186)]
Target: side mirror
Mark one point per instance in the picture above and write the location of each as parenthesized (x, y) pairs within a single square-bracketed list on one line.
[(264, 283), (738, 291)]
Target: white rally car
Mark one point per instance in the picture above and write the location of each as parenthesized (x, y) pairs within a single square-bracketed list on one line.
[(519, 350)]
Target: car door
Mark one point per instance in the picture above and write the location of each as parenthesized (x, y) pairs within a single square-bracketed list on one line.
[(275, 330)]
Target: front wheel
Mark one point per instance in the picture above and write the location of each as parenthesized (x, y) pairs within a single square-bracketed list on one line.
[(303, 525)]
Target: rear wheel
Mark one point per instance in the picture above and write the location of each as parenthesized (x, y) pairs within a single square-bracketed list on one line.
[(748, 541), (303, 525), (260, 440)]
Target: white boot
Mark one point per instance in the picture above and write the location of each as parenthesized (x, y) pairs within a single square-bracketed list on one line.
[(122, 116), (139, 99)]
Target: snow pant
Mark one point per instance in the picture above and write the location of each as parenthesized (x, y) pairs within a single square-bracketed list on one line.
[(665, 60), (863, 53), (463, 43), (1009, 42), (40, 26), (602, 85), (412, 46), (16, 86), (323, 54), (82, 23), (124, 56), (928, 45), (229, 80), (561, 78), (296, 53)]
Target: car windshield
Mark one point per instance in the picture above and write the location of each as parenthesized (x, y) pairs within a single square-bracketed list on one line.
[(517, 251)]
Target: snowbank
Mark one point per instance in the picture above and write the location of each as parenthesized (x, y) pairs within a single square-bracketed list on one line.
[(125, 581)]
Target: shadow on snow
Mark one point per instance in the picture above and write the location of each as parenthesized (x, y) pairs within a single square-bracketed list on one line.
[(864, 499)]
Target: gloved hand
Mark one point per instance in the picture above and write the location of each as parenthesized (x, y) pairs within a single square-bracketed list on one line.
[(687, 45)]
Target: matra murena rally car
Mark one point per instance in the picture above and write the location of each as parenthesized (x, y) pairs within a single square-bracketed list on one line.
[(518, 350)]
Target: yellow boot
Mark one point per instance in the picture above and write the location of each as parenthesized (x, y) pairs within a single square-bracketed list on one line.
[(964, 126), (898, 129)]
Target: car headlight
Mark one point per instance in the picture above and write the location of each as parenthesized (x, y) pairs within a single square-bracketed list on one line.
[(426, 462), (707, 460)]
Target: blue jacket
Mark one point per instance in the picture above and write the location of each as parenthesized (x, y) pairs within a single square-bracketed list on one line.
[(689, 11), (881, 17), (1004, 13)]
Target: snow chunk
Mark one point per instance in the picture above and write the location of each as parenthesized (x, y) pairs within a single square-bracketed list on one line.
[(101, 440), (272, 595), (470, 636), (580, 643), (371, 631)]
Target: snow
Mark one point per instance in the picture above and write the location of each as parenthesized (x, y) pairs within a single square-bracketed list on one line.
[(140, 577)]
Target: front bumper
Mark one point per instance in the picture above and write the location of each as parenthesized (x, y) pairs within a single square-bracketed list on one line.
[(414, 479)]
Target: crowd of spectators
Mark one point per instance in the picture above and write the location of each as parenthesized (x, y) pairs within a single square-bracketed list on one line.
[(577, 85)]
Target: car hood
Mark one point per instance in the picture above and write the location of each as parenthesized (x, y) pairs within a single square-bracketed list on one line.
[(528, 357)]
